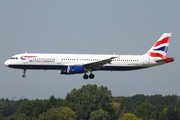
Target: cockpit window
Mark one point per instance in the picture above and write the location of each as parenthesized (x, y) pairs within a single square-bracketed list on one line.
[(15, 58)]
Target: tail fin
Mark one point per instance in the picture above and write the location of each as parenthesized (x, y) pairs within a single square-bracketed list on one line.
[(160, 48)]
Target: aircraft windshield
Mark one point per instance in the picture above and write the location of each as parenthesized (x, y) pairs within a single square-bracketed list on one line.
[(15, 58)]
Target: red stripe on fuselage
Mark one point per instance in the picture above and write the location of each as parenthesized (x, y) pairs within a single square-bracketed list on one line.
[(165, 40), (28, 56)]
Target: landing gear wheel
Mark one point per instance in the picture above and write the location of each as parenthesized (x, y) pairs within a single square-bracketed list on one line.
[(24, 73), (91, 76), (23, 76), (85, 76)]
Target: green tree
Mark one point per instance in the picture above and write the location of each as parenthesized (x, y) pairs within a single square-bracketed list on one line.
[(89, 98), (18, 116), (132, 102), (145, 111), (155, 99), (54, 101), (7, 107), (178, 103), (163, 114), (99, 115), (33, 108), (169, 100), (130, 116), (116, 108), (22, 116), (172, 113), (62, 113), (2, 117)]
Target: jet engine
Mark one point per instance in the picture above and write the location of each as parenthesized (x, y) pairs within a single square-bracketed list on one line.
[(73, 70)]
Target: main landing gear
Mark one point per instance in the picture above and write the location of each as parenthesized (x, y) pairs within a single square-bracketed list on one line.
[(91, 76), (24, 73)]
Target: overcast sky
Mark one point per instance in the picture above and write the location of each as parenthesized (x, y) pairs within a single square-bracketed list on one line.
[(100, 27)]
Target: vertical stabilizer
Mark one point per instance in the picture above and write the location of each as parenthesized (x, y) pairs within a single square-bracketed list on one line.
[(160, 48)]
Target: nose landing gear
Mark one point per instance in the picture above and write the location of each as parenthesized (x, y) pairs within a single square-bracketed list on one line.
[(24, 73)]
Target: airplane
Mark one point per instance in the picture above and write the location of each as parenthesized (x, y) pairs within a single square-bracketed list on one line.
[(69, 64)]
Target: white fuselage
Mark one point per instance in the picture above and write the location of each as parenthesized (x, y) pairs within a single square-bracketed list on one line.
[(61, 61)]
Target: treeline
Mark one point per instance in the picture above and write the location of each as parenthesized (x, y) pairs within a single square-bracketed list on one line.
[(92, 102)]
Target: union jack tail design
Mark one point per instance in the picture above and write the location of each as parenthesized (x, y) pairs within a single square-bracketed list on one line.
[(160, 48)]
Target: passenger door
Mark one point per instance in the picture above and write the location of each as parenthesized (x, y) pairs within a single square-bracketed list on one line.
[(145, 60), (58, 59)]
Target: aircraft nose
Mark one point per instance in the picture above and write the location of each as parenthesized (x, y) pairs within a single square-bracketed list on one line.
[(6, 63)]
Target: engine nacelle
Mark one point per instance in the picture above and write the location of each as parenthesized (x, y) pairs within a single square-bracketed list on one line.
[(73, 70)]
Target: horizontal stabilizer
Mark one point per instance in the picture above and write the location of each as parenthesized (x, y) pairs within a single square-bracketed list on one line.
[(166, 60)]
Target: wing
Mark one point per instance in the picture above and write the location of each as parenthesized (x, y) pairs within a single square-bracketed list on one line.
[(95, 64)]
